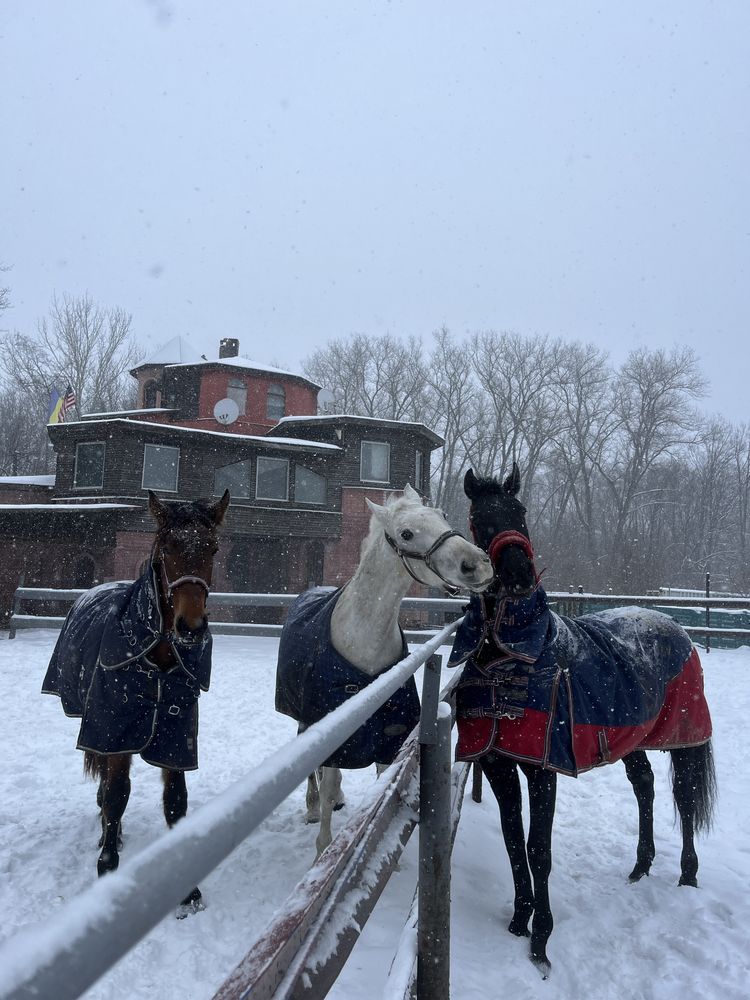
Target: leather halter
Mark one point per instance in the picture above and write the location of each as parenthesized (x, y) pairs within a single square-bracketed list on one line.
[(426, 558), (506, 538)]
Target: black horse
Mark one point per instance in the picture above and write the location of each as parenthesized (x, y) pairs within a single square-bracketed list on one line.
[(130, 662), (550, 694)]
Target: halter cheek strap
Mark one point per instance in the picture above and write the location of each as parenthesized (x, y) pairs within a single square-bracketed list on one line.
[(426, 558)]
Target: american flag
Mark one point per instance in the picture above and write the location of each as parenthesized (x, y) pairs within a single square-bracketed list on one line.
[(68, 402)]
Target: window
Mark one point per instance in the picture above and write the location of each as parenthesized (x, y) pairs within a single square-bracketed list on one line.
[(237, 390), (309, 487), (419, 470), (89, 469), (375, 462), (160, 467), (151, 394), (237, 478), (276, 402), (272, 479)]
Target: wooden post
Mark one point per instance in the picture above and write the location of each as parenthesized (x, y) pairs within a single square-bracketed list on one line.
[(433, 933), (708, 613)]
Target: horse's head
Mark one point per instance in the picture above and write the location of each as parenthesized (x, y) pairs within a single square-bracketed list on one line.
[(431, 551), (184, 548), (498, 523)]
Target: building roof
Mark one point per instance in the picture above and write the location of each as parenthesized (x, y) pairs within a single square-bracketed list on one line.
[(246, 365), (175, 351), (27, 481), (260, 439), (354, 418)]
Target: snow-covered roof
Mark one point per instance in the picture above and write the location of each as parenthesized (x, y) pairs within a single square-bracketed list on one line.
[(175, 351), (280, 442), (246, 363), (27, 480), (332, 418), (124, 413), (68, 507)]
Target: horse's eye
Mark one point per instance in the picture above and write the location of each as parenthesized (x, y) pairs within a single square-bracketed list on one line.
[(407, 535)]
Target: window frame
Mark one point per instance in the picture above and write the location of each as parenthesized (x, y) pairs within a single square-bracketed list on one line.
[(367, 479), (312, 472), (250, 480), (161, 489), (275, 391), (271, 458), (419, 467), (239, 386), (89, 486)]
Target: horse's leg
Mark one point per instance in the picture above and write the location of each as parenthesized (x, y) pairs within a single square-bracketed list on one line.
[(641, 777), (175, 801), (330, 794), (115, 792), (312, 797), (542, 791), (502, 774)]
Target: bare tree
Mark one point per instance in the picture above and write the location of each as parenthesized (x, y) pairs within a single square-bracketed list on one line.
[(372, 376), (4, 291), (80, 343), (652, 396)]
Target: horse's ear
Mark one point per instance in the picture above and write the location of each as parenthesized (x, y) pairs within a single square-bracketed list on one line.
[(219, 509), (411, 493), (471, 485), (513, 483), (375, 509), (157, 508)]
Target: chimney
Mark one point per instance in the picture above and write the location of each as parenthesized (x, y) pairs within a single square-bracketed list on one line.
[(229, 347)]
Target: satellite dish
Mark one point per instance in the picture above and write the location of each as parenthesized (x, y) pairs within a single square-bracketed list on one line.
[(326, 401), (226, 411)]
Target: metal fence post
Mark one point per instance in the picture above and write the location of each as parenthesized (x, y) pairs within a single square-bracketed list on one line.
[(433, 933), (16, 608), (708, 613)]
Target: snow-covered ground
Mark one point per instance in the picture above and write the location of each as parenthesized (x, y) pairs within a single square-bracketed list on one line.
[(611, 939)]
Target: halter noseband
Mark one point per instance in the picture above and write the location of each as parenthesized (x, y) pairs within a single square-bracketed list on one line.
[(426, 558), (171, 585), (506, 538)]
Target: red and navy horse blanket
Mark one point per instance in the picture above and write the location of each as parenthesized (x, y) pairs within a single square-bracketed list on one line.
[(101, 671), (313, 678), (569, 694)]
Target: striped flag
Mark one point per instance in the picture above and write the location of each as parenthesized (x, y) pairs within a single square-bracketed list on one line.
[(60, 406), (68, 402)]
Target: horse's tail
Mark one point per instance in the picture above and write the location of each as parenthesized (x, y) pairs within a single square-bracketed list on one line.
[(94, 764), (703, 785)]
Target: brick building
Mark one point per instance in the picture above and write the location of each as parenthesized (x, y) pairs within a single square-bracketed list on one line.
[(298, 480)]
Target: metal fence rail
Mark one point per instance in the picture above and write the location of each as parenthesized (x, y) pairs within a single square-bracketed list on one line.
[(67, 954)]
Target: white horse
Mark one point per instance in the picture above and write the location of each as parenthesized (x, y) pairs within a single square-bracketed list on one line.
[(407, 541)]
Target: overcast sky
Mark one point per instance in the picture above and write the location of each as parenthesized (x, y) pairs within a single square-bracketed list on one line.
[(287, 173)]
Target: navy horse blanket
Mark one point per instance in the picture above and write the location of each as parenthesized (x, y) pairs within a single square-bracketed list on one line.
[(569, 694), (101, 671), (312, 679)]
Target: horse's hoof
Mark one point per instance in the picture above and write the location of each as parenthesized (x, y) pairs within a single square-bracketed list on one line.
[(542, 964), (637, 873), (688, 880), (519, 927), (107, 863), (311, 818), (192, 903)]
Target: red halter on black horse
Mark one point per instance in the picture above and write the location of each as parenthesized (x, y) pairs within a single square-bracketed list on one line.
[(131, 660), (528, 698)]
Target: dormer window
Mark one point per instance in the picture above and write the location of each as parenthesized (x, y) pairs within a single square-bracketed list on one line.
[(237, 390), (276, 402)]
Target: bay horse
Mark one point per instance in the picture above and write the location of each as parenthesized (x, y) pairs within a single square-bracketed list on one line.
[(130, 662), (337, 641), (549, 694)]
